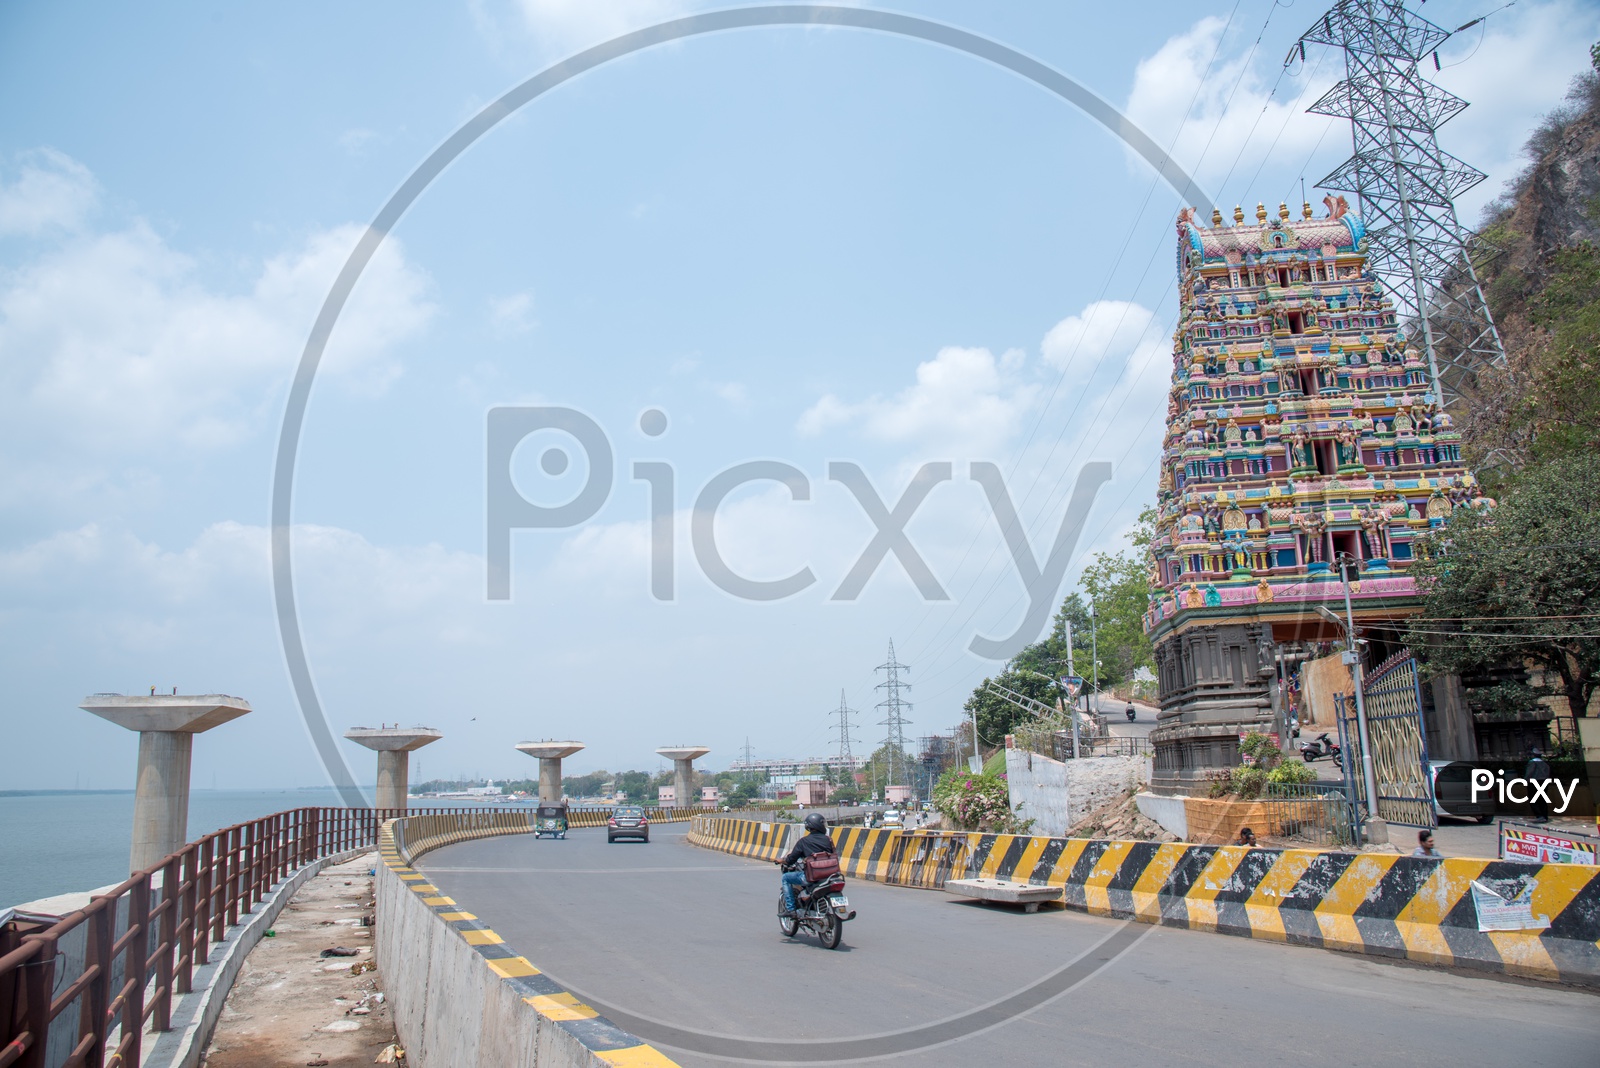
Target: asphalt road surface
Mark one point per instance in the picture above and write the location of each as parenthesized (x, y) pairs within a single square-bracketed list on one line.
[(681, 946)]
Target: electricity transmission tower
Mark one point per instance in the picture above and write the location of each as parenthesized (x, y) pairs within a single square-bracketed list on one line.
[(844, 712), (1406, 183), (894, 707)]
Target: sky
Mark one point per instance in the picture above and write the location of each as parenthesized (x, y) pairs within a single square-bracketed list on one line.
[(806, 248)]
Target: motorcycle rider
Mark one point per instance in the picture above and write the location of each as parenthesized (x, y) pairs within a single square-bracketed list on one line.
[(816, 840)]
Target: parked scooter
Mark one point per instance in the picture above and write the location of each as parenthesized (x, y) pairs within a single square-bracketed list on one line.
[(1323, 746)]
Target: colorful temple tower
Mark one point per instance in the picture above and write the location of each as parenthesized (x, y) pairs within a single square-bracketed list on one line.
[(1301, 432)]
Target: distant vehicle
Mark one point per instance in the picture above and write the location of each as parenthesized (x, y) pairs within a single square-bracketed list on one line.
[(550, 820), (628, 821), (1452, 792), (894, 818)]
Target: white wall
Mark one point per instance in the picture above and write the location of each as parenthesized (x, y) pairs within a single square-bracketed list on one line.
[(1059, 794)]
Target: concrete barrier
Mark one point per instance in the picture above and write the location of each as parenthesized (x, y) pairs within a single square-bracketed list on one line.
[(1378, 904), (460, 996)]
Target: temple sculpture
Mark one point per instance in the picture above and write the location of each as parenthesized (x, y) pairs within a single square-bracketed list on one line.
[(1302, 431)]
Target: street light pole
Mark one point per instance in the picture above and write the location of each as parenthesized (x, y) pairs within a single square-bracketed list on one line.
[(1073, 710), (1094, 652), (1352, 657)]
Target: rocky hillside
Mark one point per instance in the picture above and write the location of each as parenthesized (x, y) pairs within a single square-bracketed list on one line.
[(1541, 271)]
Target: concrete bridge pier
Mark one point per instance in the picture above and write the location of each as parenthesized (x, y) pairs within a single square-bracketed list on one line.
[(167, 726), (550, 755), (683, 780), (394, 746)]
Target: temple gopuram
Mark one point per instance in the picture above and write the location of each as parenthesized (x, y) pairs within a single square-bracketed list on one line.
[(1301, 431)]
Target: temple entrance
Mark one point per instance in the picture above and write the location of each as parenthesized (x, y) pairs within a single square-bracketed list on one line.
[(1399, 745)]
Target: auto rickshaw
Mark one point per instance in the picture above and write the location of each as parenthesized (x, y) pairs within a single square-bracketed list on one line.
[(551, 820)]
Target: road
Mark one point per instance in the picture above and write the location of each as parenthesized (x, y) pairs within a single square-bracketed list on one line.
[(681, 946)]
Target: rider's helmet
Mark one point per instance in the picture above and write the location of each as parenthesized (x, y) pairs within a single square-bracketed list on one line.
[(815, 823)]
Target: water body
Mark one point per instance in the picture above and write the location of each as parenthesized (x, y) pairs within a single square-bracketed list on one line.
[(61, 843)]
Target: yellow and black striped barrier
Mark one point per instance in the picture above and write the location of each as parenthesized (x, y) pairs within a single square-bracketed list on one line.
[(1379, 904), (599, 1042)]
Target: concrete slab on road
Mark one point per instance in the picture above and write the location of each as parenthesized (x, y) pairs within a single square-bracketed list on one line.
[(681, 946)]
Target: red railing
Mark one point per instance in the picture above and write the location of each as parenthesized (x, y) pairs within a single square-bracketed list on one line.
[(121, 960)]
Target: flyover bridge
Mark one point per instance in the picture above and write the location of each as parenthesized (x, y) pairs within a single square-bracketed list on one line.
[(680, 946)]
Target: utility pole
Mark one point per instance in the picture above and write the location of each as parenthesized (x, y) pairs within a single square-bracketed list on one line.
[(1073, 705), (1352, 657), (1405, 183), (894, 707), (1094, 652)]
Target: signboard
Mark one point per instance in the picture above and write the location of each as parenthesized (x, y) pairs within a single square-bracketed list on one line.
[(1534, 846), (1074, 685)]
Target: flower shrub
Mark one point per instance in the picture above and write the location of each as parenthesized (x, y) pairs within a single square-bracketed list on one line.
[(968, 800)]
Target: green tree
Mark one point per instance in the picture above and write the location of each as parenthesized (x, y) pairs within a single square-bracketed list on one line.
[(582, 785), (996, 716), (878, 767), (847, 793), (1519, 583), (636, 787), (1119, 586)]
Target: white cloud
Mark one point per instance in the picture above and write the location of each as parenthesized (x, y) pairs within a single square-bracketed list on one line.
[(568, 24), (115, 345), (50, 191), (964, 400), (1112, 329), (350, 588), (512, 314), (734, 393), (1227, 102), (355, 140)]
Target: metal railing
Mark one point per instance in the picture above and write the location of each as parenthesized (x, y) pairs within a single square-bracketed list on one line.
[(1320, 813), (82, 991), (1061, 747)]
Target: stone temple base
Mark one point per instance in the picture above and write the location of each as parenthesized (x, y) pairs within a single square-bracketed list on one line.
[(1187, 755), (1216, 684)]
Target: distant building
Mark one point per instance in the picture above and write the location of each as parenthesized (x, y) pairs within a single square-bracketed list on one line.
[(812, 791), (710, 797), (666, 796), (782, 774)]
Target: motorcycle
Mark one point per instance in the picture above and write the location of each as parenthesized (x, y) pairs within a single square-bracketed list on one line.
[(820, 907), (1131, 714), (1323, 746)]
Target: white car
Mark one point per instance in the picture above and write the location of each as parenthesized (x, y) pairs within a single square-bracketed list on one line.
[(894, 818)]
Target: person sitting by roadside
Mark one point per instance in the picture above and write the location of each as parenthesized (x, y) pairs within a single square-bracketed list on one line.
[(1247, 837), (1425, 846)]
